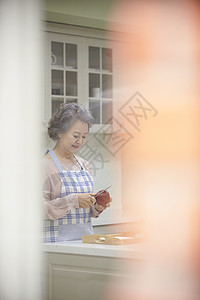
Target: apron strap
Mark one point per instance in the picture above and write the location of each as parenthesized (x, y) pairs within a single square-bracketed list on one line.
[(79, 162), (56, 160)]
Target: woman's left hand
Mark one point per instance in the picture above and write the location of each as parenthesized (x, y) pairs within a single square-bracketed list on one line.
[(100, 208)]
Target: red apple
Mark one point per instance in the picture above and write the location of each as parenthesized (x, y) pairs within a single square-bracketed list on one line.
[(103, 198)]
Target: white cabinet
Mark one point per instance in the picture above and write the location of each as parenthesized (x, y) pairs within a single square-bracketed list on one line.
[(76, 271), (82, 70), (77, 277)]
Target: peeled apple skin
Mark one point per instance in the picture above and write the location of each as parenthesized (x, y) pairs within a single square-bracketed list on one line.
[(103, 198)]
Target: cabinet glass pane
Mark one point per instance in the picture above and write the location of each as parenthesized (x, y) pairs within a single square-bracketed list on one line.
[(94, 106), (71, 55), (94, 58), (106, 112), (94, 85), (55, 104), (107, 59), (57, 82), (107, 86), (57, 54), (71, 83)]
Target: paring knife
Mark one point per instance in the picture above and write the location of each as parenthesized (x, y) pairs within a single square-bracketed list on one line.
[(99, 193)]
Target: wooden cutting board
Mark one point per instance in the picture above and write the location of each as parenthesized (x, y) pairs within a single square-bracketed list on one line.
[(122, 238)]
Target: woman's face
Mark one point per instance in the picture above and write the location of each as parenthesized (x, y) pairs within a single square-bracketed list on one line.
[(74, 137)]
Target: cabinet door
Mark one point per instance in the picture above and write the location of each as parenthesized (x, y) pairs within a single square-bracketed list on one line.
[(102, 86), (100, 81), (78, 284), (75, 276), (63, 71)]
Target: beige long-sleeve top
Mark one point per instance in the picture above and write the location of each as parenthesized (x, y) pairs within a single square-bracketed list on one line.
[(55, 207)]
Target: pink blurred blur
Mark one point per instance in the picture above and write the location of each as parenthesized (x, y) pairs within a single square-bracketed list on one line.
[(160, 166)]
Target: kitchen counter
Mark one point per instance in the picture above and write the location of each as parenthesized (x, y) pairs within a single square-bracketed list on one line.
[(130, 251), (79, 270)]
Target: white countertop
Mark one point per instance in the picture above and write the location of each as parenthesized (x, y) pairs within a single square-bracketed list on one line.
[(130, 251)]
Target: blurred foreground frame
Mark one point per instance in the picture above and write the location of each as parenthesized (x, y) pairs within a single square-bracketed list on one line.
[(21, 66)]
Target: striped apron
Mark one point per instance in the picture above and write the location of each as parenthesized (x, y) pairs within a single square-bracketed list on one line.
[(77, 222)]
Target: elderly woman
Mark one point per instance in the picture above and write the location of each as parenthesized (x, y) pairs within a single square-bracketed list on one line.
[(69, 201)]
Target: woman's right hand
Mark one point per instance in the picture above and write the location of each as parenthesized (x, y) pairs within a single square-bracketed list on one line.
[(86, 200)]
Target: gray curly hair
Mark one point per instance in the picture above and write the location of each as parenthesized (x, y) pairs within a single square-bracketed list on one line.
[(65, 116)]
